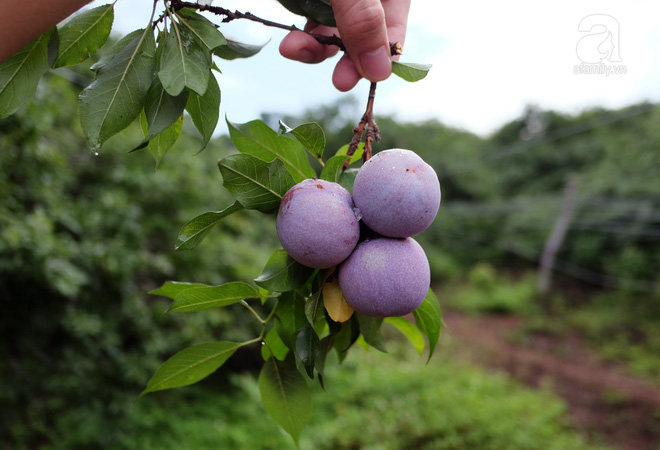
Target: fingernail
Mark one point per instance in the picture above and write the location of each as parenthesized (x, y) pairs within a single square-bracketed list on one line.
[(376, 65)]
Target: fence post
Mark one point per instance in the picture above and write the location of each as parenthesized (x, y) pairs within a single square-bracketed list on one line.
[(556, 238)]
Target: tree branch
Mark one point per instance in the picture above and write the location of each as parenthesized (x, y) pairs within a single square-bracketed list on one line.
[(395, 47), (367, 122)]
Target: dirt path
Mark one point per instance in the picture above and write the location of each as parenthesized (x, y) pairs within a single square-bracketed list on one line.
[(604, 399)]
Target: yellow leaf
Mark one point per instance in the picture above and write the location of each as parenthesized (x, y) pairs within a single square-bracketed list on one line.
[(335, 303)]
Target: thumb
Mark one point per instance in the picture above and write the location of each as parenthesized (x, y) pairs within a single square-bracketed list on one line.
[(363, 30)]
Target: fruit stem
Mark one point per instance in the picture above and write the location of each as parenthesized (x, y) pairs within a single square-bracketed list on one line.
[(244, 303), (264, 323), (367, 122)]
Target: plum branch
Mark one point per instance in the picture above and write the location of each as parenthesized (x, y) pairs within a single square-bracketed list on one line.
[(395, 47), (366, 123)]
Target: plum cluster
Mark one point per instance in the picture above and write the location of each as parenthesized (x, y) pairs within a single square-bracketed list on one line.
[(396, 195)]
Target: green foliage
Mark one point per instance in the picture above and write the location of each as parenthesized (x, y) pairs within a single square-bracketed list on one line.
[(191, 365), (282, 273), (84, 34), (285, 396), (257, 139), (83, 238), (373, 401), (117, 96), (390, 403), (196, 230), (409, 331), (319, 11), (183, 64), (74, 251), (138, 72), (198, 298), (155, 70), (429, 320), (237, 50), (161, 110), (204, 110), (410, 71), (622, 328), (303, 335), (197, 27), (489, 292), (20, 74), (310, 135), (256, 184)]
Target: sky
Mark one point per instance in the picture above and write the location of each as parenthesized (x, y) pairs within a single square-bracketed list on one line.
[(490, 60)]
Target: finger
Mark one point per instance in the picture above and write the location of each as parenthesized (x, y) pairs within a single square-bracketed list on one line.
[(396, 17), (345, 76), (302, 47), (362, 28)]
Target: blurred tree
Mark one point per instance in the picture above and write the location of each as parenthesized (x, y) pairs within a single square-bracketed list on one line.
[(83, 238)]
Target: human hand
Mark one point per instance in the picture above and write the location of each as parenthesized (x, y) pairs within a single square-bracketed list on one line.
[(366, 28)]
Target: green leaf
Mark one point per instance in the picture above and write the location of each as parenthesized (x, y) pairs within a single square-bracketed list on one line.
[(183, 64), (319, 11), (307, 348), (429, 320), (116, 97), (370, 329), (163, 141), (285, 395), (20, 74), (84, 34), (313, 306), (274, 346), (109, 52), (191, 365), (258, 139), (161, 110), (333, 168), (256, 184), (410, 71), (356, 156), (346, 337), (196, 230), (173, 288), (347, 178), (324, 348), (208, 297), (290, 317), (282, 273), (408, 330), (203, 30), (205, 110), (310, 135), (235, 50)]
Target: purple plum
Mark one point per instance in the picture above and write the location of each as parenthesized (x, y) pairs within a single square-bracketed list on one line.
[(385, 277), (397, 193), (316, 223)]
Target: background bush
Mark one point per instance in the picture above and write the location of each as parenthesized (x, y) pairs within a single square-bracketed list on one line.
[(84, 237)]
